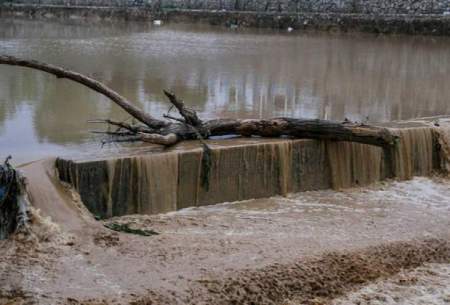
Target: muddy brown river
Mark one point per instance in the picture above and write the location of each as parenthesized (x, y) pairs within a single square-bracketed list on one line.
[(219, 71), (387, 243)]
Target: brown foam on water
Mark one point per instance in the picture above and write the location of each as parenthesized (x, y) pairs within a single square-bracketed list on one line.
[(443, 137), (426, 285), (316, 280)]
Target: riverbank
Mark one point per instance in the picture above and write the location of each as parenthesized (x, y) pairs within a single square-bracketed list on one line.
[(413, 24)]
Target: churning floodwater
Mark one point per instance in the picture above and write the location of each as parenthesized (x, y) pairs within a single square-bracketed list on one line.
[(219, 71), (426, 285)]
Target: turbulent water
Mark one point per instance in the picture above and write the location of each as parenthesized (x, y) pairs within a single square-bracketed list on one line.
[(262, 244), (221, 72), (426, 285), (238, 74)]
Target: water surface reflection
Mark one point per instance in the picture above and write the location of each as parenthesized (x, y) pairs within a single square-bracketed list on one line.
[(245, 73)]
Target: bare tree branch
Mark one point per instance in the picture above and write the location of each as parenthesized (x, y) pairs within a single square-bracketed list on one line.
[(192, 127), (189, 115), (140, 115)]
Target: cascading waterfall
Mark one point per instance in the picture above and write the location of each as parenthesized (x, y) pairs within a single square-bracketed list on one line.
[(237, 172), (144, 184), (354, 164), (245, 169), (414, 152), (159, 176), (284, 152), (110, 166)]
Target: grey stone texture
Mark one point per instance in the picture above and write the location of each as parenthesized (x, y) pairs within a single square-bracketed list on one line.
[(375, 7), (318, 6)]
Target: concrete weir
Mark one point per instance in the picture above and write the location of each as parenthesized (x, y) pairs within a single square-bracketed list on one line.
[(240, 169)]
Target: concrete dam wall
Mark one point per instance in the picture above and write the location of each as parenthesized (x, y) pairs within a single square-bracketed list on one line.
[(243, 169)]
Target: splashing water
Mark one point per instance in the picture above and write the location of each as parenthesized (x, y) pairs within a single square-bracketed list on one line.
[(443, 138)]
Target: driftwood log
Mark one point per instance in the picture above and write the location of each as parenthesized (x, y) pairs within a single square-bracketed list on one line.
[(172, 130)]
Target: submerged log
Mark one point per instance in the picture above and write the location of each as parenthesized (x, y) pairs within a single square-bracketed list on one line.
[(190, 126)]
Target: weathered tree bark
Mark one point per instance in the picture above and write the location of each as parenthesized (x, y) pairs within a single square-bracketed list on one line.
[(304, 129), (189, 126)]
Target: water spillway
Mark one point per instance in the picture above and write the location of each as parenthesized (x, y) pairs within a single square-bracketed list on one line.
[(273, 243), (158, 182)]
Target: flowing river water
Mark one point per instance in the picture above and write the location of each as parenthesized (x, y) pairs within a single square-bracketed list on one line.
[(220, 72), (225, 73)]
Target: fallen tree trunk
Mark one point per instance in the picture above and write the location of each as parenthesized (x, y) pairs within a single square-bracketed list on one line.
[(189, 126), (303, 129)]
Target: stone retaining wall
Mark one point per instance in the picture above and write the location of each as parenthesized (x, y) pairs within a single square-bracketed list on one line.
[(385, 24), (375, 7)]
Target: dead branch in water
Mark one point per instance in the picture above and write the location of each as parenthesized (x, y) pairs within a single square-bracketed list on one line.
[(190, 126)]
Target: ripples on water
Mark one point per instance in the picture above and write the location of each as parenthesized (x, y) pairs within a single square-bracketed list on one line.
[(245, 73)]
